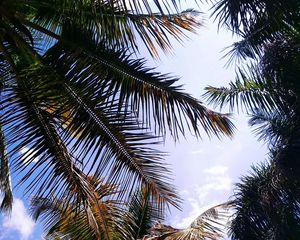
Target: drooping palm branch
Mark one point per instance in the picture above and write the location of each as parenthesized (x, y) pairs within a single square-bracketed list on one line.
[(267, 203), (257, 22), (66, 220), (142, 213), (269, 85), (76, 102), (210, 224), (113, 21)]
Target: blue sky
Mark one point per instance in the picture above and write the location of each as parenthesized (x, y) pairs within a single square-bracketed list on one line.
[(205, 170)]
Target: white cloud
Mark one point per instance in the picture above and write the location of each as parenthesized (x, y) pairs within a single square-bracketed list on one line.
[(217, 179), (19, 220), (196, 152), (27, 154), (216, 170), (216, 184)]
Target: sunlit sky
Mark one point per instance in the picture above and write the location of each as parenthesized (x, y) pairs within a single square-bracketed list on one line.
[(204, 170)]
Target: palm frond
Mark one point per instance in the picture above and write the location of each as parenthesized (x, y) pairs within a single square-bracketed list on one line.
[(5, 176), (100, 138), (114, 22), (143, 90), (211, 224), (248, 92), (142, 212), (266, 204), (98, 220), (27, 123), (272, 127), (239, 15), (258, 23)]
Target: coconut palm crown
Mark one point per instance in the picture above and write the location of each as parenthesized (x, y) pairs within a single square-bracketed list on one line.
[(75, 101)]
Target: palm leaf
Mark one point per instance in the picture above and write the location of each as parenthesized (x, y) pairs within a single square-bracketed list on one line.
[(99, 137), (241, 15), (99, 220), (209, 225), (258, 23), (247, 92), (273, 127), (114, 22), (27, 123), (141, 89), (142, 212), (5, 179), (266, 203)]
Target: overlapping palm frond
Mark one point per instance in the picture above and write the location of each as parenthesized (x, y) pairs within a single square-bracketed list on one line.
[(130, 220), (112, 21), (257, 23), (134, 220), (211, 224), (27, 124), (74, 95), (97, 137), (267, 201), (266, 205), (97, 220)]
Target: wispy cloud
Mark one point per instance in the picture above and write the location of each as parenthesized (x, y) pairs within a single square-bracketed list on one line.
[(19, 221), (196, 152), (216, 170), (216, 182)]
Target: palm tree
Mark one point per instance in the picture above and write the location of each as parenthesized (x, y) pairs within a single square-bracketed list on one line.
[(267, 201), (138, 219), (73, 95), (256, 23), (115, 219)]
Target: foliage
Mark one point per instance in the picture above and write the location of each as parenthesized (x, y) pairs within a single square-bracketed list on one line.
[(208, 225), (267, 201), (139, 219), (74, 96)]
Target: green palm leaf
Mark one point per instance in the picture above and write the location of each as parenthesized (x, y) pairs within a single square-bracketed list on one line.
[(142, 213), (247, 92), (112, 22), (97, 137), (258, 23), (143, 90)]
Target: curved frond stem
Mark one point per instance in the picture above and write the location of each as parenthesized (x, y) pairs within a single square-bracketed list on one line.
[(211, 224), (5, 178), (135, 162), (247, 93)]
